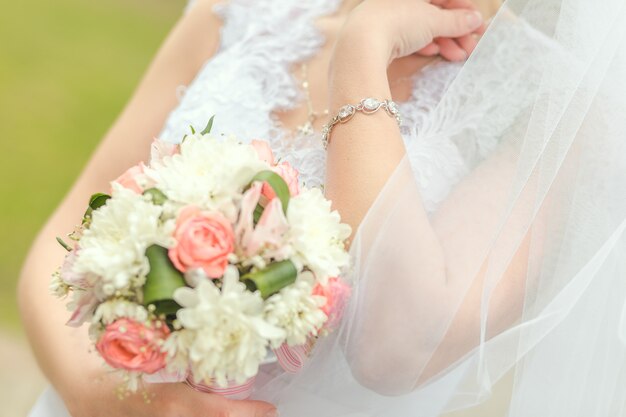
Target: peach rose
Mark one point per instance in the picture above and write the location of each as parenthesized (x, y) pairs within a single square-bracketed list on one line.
[(336, 294), (287, 173), (127, 344), (203, 240), (131, 178), (263, 150)]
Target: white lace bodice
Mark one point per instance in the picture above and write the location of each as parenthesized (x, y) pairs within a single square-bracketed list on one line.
[(249, 78)]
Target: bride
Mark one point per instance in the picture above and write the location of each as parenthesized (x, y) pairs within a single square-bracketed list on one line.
[(489, 222)]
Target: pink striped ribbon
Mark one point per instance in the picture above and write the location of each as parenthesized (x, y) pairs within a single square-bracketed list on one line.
[(292, 358), (233, 391)]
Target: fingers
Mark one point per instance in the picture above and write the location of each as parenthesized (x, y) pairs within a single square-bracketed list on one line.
[(461, 4), (218, 406), (188, 402), (468, 42), (456, 23), (431, 49), (453, 23), (455, 4), (450, 50), (250, 408), (481, 29)]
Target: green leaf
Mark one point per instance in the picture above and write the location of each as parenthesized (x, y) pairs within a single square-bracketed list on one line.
[(193, 131), (169, 308), (98, 200), (161, 282), (258, 212), (277, 183), (158, 197), (272, 279), (95, 202), (208, 127), (65, 245)]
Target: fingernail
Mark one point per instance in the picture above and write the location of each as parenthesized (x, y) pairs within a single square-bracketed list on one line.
[(272, 413), (474, 19)]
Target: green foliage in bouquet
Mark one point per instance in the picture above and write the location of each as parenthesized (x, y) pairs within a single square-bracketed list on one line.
[(161, 282), (95, 202), (64, 245), (280, 187), (270, 280), (156, 195), (209, 126)]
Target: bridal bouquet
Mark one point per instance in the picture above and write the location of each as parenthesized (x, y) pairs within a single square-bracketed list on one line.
[(199, 264)]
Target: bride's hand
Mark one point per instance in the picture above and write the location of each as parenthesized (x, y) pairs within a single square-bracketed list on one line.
[(398, 28), (454, 49), (99, 399)]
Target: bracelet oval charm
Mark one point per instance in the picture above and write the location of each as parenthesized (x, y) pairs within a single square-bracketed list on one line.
[(368, 105)]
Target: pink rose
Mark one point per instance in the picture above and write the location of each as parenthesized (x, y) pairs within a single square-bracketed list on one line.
[(263, 150), (203, 240), (287, 173), (127, 344), (133, 177), (336, 293)]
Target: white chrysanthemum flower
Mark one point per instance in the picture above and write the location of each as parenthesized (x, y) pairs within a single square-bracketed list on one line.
[(224, 336), (207, 172), (316, 234), (296, 310), (113, 247), (111, 310)]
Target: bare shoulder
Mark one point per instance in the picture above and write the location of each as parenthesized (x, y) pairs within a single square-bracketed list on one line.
[(196, 35)]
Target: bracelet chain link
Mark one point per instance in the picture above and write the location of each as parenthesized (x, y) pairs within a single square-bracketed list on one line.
[(367, 106)]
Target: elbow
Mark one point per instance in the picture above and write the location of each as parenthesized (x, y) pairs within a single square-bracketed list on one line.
[(30, 288), (23, 290), (388, 370)]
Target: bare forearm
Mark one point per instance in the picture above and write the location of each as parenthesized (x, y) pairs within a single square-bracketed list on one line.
[(364, 152), (62, 352), (435, 258)]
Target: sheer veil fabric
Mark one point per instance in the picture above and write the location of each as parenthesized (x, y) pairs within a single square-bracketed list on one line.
[(531, 243)]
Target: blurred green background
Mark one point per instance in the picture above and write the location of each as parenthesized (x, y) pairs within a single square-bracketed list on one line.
[(66, 69)]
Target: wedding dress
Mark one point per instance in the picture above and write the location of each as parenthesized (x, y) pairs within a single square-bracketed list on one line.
[(530, 136)]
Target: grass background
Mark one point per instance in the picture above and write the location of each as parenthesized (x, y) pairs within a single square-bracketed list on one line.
[(67, 67)]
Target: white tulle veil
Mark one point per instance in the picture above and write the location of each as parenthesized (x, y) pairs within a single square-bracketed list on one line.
[(534, 285)]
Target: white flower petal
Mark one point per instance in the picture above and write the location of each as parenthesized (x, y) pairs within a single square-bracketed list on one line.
[(297, 311), (317, 235), (113, 247), (224, 335)]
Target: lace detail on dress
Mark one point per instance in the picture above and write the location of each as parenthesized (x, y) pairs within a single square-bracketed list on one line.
[(250, 77), (440, 129)]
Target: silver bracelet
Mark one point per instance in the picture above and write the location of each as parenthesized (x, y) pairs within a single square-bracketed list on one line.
[(367, 106)]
